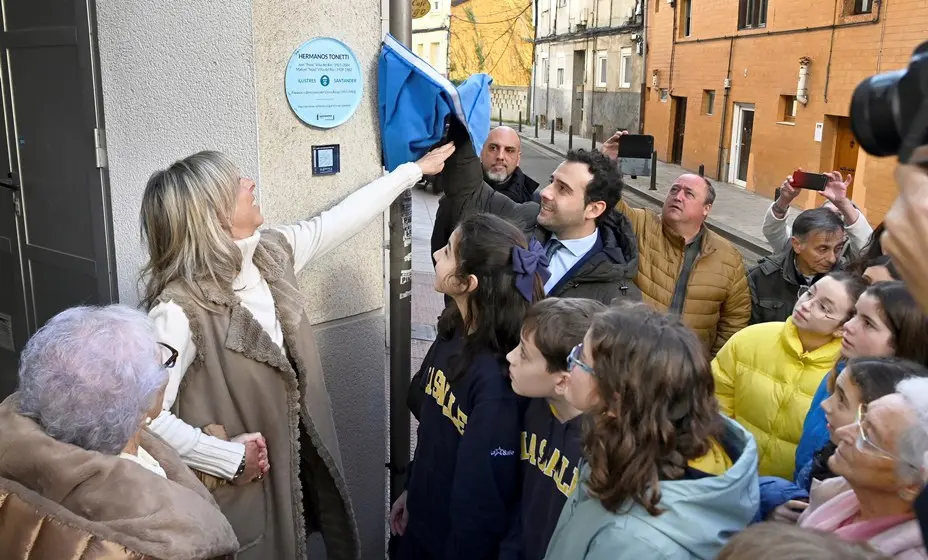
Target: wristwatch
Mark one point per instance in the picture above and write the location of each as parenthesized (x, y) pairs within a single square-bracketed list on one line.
[(241, 467)]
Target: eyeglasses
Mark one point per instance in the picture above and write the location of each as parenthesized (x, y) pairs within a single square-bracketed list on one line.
[(866, 445), (574, 360), (816, 306), (171, 353)]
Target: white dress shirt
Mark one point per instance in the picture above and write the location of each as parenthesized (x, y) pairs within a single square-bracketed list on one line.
[(567, 256)]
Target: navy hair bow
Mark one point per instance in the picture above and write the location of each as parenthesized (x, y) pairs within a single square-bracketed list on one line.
[(526, 263)]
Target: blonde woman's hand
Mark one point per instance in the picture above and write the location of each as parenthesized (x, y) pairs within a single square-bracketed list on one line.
[(433, 162), (257, 463)]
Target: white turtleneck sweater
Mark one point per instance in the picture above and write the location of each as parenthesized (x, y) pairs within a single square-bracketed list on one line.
[(309, 239)]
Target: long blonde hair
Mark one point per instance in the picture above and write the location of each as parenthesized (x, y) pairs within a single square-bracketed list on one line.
[(183, 211)]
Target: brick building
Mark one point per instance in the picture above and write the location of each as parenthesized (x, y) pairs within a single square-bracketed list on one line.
[(588, 64), (725, 87)]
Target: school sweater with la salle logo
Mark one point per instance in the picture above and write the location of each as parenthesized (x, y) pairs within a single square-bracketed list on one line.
[(550, 451), (463, 488)]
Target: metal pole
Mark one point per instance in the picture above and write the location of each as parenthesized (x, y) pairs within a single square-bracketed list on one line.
[(702, 170), (653, 186), (501, 116), (642, 95), (400, 297), (594, 140), (520, 121), (552, 131), (570, 138), (536, 126)]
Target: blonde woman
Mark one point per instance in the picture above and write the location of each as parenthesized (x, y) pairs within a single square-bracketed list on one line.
[(225, 296)]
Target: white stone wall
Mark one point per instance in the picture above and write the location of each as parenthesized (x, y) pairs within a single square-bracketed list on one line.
[(179, 77), (511, 100)]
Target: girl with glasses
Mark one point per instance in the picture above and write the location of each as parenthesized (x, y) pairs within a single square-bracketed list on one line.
[(767, 374), (665, 475)]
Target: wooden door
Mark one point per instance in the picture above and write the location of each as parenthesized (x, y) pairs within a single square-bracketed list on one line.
[(846, 150)]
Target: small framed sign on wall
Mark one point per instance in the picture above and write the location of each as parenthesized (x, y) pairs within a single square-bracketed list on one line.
[(326, 160)]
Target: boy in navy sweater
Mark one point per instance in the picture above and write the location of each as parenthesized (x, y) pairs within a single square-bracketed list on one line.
[(551, 437)]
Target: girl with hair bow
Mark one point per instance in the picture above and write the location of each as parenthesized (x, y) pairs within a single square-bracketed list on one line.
[(463, 486)]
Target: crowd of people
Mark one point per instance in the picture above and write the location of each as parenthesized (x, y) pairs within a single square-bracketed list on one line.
[(607, 382)]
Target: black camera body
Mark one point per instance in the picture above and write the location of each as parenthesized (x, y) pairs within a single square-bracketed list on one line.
[(889, 112)]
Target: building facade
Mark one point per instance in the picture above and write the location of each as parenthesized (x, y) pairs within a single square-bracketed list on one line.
[(492, 37), (753, 90), (588, 65), (430, 35), (138, 87)]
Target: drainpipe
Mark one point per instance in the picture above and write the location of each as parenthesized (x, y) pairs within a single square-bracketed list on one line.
[(644, 64), (400, 292), (802, 89), (534, 80), (731, 50), (673, 47), (591, 77), (552, 33)]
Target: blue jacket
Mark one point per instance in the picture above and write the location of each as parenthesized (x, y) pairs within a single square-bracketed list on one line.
[(700, 515), (414, 101), (774, 492), (815, 427)]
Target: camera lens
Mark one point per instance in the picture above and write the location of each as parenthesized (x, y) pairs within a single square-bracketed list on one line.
[(875, 114)]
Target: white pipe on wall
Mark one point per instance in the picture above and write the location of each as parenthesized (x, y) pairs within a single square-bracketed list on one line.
[(802, 89)]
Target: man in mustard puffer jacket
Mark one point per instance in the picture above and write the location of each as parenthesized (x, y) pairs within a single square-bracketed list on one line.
[(684, 268)]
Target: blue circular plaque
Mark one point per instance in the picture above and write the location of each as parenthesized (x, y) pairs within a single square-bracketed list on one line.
[(324, 83)]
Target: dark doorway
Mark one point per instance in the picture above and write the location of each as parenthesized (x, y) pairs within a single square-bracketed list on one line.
[(55, 222), (679, 128), (744, 150), (576, 108)]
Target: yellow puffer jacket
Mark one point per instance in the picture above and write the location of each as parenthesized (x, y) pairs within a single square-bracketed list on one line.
[(718, 300), (765, 381)]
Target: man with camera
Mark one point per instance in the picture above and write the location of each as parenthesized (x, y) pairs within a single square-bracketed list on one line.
[(817, 242), (856, 227)]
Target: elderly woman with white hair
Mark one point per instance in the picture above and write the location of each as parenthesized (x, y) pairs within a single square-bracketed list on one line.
[(225, 294), (873, 500), (81, 476), (913, 447)]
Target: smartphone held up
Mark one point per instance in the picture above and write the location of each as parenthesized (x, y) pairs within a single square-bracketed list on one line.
[(809, 181)]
